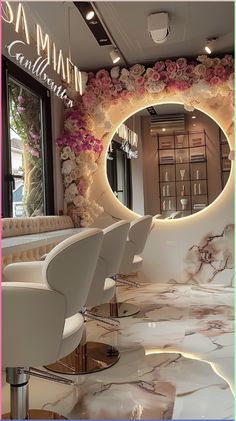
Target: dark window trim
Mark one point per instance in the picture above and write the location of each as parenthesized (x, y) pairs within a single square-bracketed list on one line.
[(10, 68), (112, 172)]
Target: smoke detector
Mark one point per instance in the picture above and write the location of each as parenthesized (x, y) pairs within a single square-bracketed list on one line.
[(158, 26)]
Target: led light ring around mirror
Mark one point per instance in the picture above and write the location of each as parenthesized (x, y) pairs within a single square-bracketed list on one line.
[(134, 215)]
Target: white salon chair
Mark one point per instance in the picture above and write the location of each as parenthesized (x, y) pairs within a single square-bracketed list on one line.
[(90, 357), (130, 263), (41, 322)]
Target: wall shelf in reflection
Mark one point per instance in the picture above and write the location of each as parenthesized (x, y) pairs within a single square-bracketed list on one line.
[(186, 163)]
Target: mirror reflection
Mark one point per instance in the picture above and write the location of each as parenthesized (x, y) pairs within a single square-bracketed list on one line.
[(168, 162)]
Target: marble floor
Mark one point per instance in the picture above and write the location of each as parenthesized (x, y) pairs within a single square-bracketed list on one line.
[(176, 360)]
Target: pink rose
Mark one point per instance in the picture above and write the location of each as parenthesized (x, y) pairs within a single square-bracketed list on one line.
[(96, 91), (141, 90), (107, 92), (208, 74), (159, 65), (117, 85), (229, 59), (164, 76), (181, 63), (214, 80), (155, 76), (149, 72), (102, 73), (140, 81), (106, 81), (126, 95), (219, 71), (171, 67), (89, 99), (189, 69)]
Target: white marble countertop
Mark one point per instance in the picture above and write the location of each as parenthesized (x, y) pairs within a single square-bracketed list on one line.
[(19, 243)]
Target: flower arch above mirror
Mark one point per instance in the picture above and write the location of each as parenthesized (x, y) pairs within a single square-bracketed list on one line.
[(110, 98)]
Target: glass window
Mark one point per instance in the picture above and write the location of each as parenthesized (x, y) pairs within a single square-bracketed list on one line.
[(27, 140)]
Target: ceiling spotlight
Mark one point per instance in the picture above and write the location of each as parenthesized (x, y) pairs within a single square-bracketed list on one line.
[(210, 43), (90, 15), (115, 55), (163, 129), (193, 116)]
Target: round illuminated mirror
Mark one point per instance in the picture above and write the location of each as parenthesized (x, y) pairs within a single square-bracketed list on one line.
[(168, 162)]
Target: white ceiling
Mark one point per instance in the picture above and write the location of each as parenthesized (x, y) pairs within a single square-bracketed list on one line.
[(163, 109), (191, 23)]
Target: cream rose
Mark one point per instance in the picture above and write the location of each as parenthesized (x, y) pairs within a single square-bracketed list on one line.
[(136, 71), (200, 70)]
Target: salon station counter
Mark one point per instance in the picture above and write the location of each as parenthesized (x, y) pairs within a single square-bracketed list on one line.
[(20, 243)]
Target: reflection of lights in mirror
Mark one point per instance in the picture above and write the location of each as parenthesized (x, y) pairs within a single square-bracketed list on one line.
[(174, 168)]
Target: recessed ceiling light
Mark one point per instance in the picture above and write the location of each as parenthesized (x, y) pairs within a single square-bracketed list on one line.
[(193, 116), (163, 129), (194, 125), (90, 15), (93, 22), (115, 55)]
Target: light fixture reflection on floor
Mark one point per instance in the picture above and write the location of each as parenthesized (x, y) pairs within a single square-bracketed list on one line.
[(115, 55)]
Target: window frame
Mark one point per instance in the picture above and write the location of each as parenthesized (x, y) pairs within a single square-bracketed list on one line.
[(11, 69)]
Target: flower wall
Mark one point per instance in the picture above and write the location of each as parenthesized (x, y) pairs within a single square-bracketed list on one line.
[(89, 122)]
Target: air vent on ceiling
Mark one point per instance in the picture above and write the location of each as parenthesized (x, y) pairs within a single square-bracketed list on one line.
[(93, 24), (167, 123)]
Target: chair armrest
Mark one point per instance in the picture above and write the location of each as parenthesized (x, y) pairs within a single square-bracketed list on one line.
[(43, 257), (30, 272)]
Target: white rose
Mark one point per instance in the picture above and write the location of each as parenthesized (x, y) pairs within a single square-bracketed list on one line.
[(78, 200), (154, 87), (67, 166), (115, 71), (71, 190)]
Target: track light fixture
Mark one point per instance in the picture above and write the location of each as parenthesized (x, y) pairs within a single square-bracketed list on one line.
[(210, 44), (115, 55), (90, 15)]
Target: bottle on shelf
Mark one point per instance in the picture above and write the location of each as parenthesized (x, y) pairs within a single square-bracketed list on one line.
[(199, 189), (163, 191), (169, 203), (182, 193), (182, 173), (164, 205), (167, 190), (195, 189), (197, 174), (166, 176)]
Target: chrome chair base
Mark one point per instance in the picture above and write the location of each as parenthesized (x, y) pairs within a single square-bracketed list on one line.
[(90, 357), (115, 309), (38, 414)]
